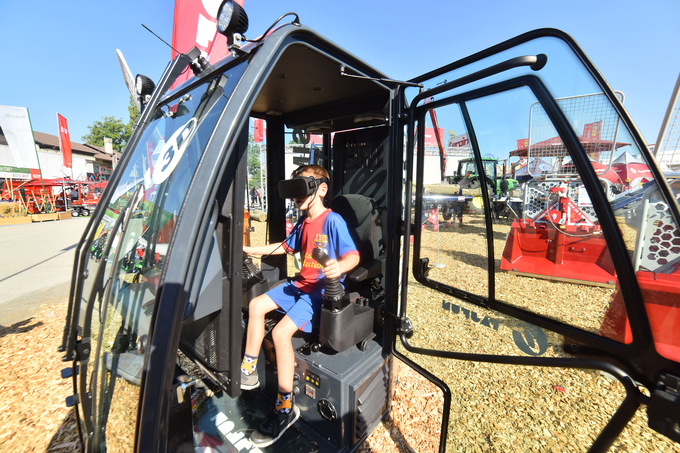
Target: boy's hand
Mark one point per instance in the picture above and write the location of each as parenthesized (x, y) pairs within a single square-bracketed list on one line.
[(332, 269)]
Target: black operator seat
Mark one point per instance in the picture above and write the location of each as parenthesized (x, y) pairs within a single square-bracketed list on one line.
[(351, 320), (361, 215)]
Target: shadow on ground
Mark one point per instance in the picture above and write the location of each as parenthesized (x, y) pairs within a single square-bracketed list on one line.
[(66, 438), (19, 327)]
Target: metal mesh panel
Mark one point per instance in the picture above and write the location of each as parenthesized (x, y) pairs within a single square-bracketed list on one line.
[(595, 122), (659, 242), (537, 197)]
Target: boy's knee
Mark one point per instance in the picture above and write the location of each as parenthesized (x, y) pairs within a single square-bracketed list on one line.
[(282, 334), (257, 306)]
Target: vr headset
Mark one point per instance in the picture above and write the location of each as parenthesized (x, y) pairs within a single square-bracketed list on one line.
[(300, 186)]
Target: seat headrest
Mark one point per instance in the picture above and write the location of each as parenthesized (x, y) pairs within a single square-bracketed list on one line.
[(355, 209)]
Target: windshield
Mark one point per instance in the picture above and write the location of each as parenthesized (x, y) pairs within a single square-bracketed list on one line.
[(129, 250), (469, 168)]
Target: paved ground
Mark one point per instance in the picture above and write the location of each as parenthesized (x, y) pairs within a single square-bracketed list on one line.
[(36, 261)]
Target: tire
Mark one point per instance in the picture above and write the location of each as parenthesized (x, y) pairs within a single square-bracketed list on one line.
[(75, 213), (85, 212), (446, 214), (470, 183)]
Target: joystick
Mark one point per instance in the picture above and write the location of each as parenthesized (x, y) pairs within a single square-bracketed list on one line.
[(334, 296)]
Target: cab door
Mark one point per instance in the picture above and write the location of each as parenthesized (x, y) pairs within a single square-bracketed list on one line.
[(549, 309)]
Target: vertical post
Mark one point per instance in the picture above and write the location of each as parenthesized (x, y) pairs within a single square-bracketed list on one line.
[(276, 209), (263, 177), (667, 117), (35, 145), (11, 191)]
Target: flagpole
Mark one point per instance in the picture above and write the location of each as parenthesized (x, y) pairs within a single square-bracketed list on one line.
[(37, 156), (438, 264)]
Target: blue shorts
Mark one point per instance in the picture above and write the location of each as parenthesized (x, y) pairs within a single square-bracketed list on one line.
[(301, 307)]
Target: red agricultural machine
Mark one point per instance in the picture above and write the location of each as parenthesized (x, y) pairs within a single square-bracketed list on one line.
[(559, 236), (49, 195)]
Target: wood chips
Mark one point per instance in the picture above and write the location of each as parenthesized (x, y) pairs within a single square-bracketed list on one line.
[(34, 415), (495, 407)]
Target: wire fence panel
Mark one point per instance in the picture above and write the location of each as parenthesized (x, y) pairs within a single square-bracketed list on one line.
[(594, 120), (667, 153)]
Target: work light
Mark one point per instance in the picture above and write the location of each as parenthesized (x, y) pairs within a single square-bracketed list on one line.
[(231, 19), (144, 85)]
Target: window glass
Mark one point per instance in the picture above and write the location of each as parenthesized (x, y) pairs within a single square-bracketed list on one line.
[(500, 407), (549, 253), (451, 222), (129, 251)]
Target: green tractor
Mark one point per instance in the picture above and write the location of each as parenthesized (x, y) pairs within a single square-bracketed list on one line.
[(469, 178)]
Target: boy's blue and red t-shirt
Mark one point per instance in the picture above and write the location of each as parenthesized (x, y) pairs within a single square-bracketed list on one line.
[(329, 232)]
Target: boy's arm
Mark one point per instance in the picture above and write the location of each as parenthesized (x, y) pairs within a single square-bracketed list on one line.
[(335, 269), (268, 249)]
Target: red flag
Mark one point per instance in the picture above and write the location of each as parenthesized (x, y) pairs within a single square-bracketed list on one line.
[(522, 143), (257, 134), (434, 218), (64, 141), (194, 25)]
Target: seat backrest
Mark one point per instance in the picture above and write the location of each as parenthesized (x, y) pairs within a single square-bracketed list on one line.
[(361, 216)]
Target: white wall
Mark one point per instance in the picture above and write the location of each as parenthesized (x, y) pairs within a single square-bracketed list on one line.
[(51, 165)]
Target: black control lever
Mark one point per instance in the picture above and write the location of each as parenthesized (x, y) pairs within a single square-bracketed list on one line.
[(335, 293), (251, 274)]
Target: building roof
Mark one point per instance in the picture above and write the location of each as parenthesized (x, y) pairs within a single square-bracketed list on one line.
[(106, 157), (52, 141)]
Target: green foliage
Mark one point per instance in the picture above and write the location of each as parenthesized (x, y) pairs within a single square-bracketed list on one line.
[(254, 166), (133, 112), (113, 128)]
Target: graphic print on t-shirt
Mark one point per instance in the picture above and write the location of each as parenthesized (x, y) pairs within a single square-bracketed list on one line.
[(329, 232)]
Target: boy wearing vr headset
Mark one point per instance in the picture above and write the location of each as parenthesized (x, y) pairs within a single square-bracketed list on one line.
[(302, 299)]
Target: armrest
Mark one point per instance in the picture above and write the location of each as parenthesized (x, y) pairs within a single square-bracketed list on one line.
[(371, 269)]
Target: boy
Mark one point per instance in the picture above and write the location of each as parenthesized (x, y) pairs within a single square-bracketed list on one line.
[(300, 300)]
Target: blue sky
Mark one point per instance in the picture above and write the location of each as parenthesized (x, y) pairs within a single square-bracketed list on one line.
[(61, 57)]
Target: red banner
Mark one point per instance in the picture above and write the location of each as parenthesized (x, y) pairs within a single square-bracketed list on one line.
[(258, 133), (592, 131), (522, 143), (64, 141), (194, 25)]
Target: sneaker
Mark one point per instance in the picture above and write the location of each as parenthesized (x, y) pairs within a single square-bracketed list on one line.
[(249, 382), (273, 428)]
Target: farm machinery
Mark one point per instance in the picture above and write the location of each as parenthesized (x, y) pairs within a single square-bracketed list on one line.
[(49, 195), (559, 236), (79, 196)]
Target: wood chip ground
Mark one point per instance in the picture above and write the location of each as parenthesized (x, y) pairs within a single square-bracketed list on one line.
[(495, 408)]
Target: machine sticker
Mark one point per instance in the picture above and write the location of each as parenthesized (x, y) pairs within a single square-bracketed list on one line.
[(166, 160), (236, 437), (528, 338)]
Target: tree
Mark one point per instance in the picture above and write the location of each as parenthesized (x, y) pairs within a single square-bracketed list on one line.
[(254, 166), (113, 128), (133, 112)]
